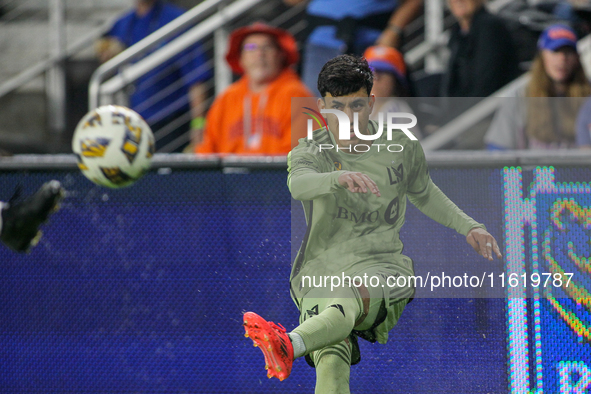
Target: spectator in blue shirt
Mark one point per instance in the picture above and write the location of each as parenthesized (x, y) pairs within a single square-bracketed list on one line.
[(351, 26), (171, 97)]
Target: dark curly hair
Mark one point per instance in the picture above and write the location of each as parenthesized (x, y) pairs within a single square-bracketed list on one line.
[(343, 75)]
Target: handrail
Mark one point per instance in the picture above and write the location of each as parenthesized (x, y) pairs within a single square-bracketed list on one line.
[(14, 10), (290, 13), (136, 70), (419, 52), (471, 117), (171, 29), (435, 159), (26, 75)]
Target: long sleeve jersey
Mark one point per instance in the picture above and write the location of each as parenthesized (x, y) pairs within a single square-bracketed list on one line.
[(347, 232)]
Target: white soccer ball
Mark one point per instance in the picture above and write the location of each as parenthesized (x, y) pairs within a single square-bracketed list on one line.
[(114, 146)]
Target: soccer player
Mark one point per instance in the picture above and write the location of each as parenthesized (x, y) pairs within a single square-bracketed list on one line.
[(20, 221), (355, 205)]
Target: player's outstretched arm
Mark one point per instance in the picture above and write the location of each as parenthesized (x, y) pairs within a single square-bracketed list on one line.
[(309, 178), (483, 243), (306, 178), (435, 204), (430, 200)]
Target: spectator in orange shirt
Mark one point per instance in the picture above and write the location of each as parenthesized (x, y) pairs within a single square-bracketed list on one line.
[(253, 116)]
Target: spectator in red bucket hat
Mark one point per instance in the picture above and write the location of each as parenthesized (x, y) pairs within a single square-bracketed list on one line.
[(282, 38), (253, 116)]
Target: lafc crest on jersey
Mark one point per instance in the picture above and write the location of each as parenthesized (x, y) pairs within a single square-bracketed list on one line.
[(395, 174)]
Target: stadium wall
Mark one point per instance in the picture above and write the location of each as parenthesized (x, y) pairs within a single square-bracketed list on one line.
[(142, 289)]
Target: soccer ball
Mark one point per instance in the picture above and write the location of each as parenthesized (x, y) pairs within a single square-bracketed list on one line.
[(114, 146)]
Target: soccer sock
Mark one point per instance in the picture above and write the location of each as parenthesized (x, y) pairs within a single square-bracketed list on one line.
[(330, 326), (299, 348), (333, 366)]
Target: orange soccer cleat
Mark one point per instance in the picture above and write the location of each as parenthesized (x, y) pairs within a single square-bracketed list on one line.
[(273, 341)]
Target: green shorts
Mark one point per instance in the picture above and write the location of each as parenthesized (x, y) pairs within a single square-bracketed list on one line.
[(381, 291)]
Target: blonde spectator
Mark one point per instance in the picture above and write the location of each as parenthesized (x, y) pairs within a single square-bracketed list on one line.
[(544, 113)]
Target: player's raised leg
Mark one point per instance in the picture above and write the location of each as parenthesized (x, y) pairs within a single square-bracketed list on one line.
[(333, 321), (20, 220), (326, 321), (333, 360)]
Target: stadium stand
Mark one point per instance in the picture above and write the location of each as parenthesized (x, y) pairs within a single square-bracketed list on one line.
[(423, 47)]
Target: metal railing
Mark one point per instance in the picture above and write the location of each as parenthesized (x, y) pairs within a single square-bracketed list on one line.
[(50, 61), (39, 68), (102, 90), (109, 68), (479, 112), (120, 72), (206, 24), (135, 71), (204, 27), (435, 159), (111, 78)]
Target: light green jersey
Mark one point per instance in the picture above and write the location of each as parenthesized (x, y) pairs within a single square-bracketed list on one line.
[(350, 233)]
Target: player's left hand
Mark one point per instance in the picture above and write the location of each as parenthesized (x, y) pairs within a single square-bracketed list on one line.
[(483, 243)]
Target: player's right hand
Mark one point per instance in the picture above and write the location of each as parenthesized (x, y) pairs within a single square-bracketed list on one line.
[(357, 182), (483, 243)]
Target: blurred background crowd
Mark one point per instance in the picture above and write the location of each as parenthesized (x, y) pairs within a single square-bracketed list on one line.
[(218, 76)]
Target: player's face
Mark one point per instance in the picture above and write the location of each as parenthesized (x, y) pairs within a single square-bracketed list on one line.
[(561, 64), (260, 58), (358, 102)]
